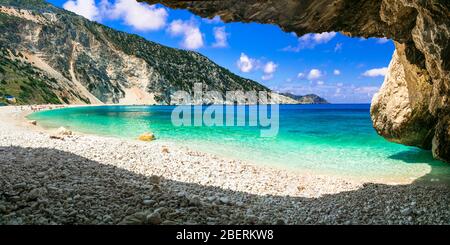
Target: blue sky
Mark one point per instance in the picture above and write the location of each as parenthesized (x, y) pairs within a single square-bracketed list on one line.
[(339, 68)]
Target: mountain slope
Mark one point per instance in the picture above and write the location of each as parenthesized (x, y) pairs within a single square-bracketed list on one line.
[(19, 78), (92, 63)]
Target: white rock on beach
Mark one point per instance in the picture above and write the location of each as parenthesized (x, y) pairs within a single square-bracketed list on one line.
[(63, 131)]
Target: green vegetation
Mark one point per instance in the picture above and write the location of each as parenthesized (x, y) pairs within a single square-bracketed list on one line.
[(182, 68), (172, 69), (40, 4), (179, 69), (23, 81)]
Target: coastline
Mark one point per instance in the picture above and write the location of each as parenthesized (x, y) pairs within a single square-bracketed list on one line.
[(20, 120), (202, 181)]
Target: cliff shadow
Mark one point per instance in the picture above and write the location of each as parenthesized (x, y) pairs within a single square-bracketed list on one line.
[(48, 186), (439, 171)]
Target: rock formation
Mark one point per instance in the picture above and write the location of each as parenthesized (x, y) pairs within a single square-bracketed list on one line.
[(306, 99), (147, 137), (413, 106), (50, 55)]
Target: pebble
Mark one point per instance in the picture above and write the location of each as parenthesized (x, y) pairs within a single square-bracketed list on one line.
[(63, 131), (168, 222), (406, 211), (155, 180), (162, 210), (280, 222), (149, 202), (40, 174), (36, 193), (138, 218), (154, 218), (195, 201), (251, 219), (224, 200), (95, 180)]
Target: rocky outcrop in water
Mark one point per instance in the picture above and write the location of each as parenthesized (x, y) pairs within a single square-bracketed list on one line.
[(413, 106), (306, 99)]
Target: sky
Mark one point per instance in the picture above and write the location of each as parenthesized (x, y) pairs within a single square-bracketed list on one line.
[(339, 68)]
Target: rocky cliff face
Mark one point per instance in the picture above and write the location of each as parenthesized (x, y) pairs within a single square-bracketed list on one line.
[(91, 63), (413, 106)]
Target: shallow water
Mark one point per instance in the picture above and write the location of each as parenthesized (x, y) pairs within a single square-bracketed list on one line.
[(324, 139)]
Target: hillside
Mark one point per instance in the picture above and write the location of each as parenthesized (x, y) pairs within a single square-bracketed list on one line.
[(306, 99), (70, 59)]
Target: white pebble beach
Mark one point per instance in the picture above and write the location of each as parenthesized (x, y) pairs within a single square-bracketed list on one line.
[(88, 179)]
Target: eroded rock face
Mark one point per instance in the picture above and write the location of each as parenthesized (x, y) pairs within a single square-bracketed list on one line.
[(74, 60), (400, 109), (413, 106)]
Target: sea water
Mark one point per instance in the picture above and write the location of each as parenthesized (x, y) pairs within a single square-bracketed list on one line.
[(333, 139)]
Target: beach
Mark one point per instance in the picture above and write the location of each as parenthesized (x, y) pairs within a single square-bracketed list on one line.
[(89, 179)]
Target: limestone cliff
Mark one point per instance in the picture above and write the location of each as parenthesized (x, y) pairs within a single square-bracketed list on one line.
[(413, 106), (50, 55)]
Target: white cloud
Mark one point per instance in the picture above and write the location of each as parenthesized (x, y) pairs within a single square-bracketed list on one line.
[(142, 17), (314, 74), (337, 72), (338, 47), (335, 93), (245, 63), (269, 68), (189, 30), (377, 40), (215, 20), (367, 90), (318, 38), (382, 40), (376, 72), (266, 77), (85, 8), (311, 40), (221, 36), (301, 75)]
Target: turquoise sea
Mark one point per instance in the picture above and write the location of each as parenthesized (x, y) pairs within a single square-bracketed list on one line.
[(323, 139)]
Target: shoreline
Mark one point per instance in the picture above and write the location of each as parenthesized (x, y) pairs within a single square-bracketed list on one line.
[(21, 120), (322, 174), (166, 173), (356, 180)]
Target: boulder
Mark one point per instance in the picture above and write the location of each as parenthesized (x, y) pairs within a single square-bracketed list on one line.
[(155, 179), (138, 218), (63, 131), (147, 137), (154, 218)]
